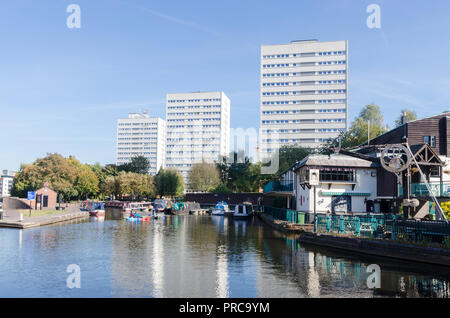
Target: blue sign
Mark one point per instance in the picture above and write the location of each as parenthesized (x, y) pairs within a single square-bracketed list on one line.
[(31, 195)]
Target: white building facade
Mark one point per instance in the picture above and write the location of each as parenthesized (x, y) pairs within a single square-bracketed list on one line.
[(304, 93), (6, 182), (141, 135), (198, 128), (346, 184)]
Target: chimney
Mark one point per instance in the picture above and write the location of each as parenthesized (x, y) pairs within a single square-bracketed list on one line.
[(404, 118)]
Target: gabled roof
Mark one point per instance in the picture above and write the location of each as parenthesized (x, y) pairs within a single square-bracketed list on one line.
[(335, 160)]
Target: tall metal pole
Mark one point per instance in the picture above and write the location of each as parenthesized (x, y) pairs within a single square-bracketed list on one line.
[(368, 132)]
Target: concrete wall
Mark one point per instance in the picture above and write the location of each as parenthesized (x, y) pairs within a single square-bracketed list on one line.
[(10, 203)]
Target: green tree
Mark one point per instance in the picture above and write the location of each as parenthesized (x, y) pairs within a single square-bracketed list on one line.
[(203, 177), (410, 116), (59, 172), (221, 188), (169, 182), (238, 174), (138, 164), (358, 131), (86, 182)]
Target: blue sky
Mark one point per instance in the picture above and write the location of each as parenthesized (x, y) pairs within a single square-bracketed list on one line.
[(62, 90)]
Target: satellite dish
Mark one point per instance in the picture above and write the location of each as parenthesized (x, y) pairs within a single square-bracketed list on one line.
[(395, 158)]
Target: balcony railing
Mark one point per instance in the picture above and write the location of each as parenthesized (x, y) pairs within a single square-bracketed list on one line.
[(439, 189), (277, 186)]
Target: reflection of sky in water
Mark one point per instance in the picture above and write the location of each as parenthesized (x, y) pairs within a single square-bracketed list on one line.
[(192, 256)]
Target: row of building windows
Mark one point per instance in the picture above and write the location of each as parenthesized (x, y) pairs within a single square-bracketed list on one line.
[(335, 72), (281, 112), (193, 100), (136, 129), (285, 131), (191, 146), (193, 119), (332, 91), (314, 101), (187, 152), (192, 113), (304, 83), (192, 126), (281, 56), (191, 139), (138, 124), (343, 62), (204, 132), (285, 121), (193, 107)]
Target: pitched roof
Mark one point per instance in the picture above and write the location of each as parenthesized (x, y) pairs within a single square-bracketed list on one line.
[(335, 160)]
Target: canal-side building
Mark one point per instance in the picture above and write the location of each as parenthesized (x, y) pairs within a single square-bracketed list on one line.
[(429, 141), (6, 182), (304, 93), (141, 135), (344, 184), (198, 128)]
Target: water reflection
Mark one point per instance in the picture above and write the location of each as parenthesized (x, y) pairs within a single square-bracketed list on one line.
[(193, 256)]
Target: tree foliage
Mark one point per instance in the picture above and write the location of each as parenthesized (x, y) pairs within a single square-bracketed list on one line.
[(138, 164), (358, 131), (169, 182), (238, 174), (203, 177), (67, 176), (74, 180)]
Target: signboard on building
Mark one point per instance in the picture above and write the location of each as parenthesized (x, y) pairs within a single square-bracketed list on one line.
[(31, 195)]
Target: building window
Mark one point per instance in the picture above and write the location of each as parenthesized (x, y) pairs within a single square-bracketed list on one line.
[(431, 140), (337, 174)]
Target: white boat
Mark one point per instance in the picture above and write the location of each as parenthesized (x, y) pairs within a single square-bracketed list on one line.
[(95, 208), (221, 209), (244, 210)]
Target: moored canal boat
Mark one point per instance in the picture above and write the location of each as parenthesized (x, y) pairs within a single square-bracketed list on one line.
[(244, 210), (95, 208), (221, 209)]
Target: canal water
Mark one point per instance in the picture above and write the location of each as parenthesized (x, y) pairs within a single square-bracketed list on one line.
[(193, 256)]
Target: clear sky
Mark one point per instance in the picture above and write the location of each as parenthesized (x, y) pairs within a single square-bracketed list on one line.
[(62, 90)]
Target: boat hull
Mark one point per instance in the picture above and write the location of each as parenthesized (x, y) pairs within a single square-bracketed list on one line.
[(97, 213)]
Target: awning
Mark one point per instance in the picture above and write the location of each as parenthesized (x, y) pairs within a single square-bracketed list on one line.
[(350, 194)]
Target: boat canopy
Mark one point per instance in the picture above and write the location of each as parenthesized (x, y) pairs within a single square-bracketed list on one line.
[(221, 205), (98, 206)]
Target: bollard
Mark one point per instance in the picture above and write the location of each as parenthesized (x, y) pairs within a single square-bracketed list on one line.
[(20, 217)]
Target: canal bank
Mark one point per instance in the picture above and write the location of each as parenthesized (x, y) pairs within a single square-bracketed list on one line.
[(13, 220), (285, 226), (374, 247)]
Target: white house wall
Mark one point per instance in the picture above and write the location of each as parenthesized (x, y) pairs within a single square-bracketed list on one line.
[(366, 183)]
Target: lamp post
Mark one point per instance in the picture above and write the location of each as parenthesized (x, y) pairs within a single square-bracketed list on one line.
[(314, 180)]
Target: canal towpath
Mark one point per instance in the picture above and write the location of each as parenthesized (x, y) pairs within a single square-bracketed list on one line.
[(11, 218)]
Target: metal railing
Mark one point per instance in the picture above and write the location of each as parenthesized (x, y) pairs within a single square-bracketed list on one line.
[(277, 186), (386, 226), (285, 215), (439, 189)]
